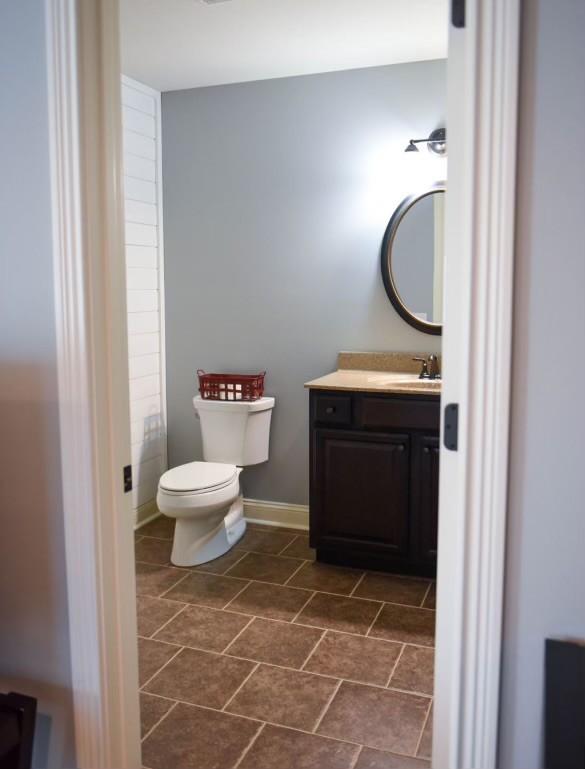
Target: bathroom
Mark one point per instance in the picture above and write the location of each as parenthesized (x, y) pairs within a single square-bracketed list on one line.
[(271, 204), (81, 478)]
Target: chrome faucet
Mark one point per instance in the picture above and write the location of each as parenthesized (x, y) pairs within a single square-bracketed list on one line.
[(430, 367)]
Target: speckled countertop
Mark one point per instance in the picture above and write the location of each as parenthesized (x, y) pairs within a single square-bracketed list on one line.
[(379, 373)]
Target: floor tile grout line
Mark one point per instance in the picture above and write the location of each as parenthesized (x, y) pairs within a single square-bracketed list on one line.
[(149, 536), (159, 722), (373, 622), (158, 640), (428, 590), (313, 650), (346, 595), (235, 638), (327, 705), (246, 586), (159, 598), (193, 569), (247, 749), (175, 615), (357, 584), (168, 590), (179, 650), (293, 621), (295, 572), (422, 731), (240, 687), (270, 555), (414, 692), (293, 540), (395, 665), (397, 641), (356, 757)]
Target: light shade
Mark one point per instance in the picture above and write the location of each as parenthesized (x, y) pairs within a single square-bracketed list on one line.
[(411, 147)]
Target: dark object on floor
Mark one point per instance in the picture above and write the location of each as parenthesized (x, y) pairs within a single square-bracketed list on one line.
[(565, 704), (17, 728)]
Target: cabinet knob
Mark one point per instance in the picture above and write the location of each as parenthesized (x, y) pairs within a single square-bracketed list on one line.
[(400, 447), (426, 450), (330, 410)]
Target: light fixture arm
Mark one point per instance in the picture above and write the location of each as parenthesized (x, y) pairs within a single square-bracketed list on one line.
[(436, 142)]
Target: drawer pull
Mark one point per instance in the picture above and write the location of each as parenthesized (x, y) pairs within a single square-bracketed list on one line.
[(330, 410)]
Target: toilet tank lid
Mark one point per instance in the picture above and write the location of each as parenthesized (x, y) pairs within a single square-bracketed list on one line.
[(262, 404), (198, 476)]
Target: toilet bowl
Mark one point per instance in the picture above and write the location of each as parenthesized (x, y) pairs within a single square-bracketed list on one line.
[(205, 497)]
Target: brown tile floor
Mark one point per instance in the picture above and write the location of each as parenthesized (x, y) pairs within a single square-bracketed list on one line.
[(264, 658)]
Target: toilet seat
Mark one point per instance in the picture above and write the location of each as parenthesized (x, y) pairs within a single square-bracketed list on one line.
[(198, 478)]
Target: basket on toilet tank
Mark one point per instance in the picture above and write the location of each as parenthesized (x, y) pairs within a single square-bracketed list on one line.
[(231, 387)]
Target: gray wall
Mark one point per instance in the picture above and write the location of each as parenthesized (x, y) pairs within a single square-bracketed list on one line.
[(276, 197), (545, 571), (34, 641)]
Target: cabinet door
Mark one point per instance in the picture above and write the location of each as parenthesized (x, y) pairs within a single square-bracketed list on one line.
[(426, 488), (360, 490)]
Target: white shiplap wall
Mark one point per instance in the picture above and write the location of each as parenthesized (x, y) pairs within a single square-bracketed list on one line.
[(144, 265)]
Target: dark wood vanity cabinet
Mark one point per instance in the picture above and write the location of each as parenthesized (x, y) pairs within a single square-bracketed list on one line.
[(374, 480)]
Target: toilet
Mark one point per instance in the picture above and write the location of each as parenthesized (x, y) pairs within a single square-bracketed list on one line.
[(205, 497)]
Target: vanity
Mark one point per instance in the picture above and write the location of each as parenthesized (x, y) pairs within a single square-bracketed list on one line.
[(374, 423), (374, 464)]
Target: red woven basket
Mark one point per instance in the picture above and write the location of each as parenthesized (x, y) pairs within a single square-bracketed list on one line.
[(231, 387)]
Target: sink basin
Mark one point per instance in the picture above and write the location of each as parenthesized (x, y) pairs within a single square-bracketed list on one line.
[(388, 379), (376, 381)]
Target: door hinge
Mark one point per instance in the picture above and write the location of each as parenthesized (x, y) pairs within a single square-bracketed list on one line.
[(451, 426), (458, 13), (127, 479)]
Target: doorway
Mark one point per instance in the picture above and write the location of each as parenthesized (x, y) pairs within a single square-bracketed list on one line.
[(451, 740)]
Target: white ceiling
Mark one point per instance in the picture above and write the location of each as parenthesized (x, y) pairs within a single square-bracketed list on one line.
[(173, 44)]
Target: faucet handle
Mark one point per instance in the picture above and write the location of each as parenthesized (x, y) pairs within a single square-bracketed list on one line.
[(424, 374), (434, 371)]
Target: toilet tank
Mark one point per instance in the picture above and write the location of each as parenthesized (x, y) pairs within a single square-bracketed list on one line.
[(237, 432)]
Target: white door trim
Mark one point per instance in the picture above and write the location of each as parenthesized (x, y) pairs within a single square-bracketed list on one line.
[(84, 113), (480, 216)]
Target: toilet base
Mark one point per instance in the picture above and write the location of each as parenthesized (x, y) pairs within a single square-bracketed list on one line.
[(192, 546)]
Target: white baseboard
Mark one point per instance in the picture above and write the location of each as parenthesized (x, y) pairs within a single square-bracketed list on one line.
[(255, 511), (277, 514), (145, 513)]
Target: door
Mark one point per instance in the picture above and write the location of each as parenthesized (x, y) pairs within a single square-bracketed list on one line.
[(426, 488), (361, 490)]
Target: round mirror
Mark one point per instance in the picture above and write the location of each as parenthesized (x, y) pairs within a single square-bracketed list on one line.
[(412, 259)]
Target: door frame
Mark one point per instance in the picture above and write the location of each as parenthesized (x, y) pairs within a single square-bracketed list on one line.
[(85, 125), (483, 66), (84, 111)]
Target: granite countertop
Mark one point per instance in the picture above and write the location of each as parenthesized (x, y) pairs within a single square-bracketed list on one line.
[(377, 373)]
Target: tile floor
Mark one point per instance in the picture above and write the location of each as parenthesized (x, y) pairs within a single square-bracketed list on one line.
[(264, 659)]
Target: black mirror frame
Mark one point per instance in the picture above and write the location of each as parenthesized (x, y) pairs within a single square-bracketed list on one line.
[(387, 276)]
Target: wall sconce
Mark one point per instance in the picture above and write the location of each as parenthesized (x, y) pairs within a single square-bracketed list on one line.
[(437, 142)]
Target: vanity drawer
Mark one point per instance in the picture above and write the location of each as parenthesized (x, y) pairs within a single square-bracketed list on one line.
[(332, 409), (377, 413)]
